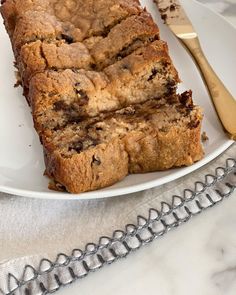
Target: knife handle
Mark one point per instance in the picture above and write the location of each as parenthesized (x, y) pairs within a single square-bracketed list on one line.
[(224, 102)]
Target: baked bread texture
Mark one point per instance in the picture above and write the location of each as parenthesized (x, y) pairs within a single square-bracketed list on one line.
[(95, 53), (98, 152), (27, 20), (102, 89), (62, 97)]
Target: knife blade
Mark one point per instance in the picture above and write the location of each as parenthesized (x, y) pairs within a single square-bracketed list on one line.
[(175, 17)]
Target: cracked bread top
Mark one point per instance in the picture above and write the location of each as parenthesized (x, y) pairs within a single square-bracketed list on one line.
[(94, 53), (29, 21)]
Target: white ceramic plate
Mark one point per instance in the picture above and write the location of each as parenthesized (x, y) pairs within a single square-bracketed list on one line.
[(21, 156)]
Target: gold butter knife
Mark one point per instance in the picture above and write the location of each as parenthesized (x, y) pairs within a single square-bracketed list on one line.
[(175, 17)]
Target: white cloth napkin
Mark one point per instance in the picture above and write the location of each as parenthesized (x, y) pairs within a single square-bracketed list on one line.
[(31, 229)]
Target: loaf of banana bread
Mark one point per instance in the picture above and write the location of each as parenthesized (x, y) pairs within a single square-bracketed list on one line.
[(102, 89)]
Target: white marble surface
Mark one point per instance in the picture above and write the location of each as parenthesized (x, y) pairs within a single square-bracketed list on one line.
[(227, 8), (197, 259)]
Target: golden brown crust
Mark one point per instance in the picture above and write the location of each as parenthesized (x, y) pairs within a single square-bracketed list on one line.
[(9, 14), (81, 174), (134, 32), (139, 151), (39, 56), (49, 19), (164, 151)]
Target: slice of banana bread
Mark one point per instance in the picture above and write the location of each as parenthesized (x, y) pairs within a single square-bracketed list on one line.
[(132, 33), (59, 98), (94, 53), (100, 151)]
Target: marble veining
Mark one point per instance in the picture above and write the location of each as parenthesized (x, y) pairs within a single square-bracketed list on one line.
[(225, 279), (197, 259), (227, 8)]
